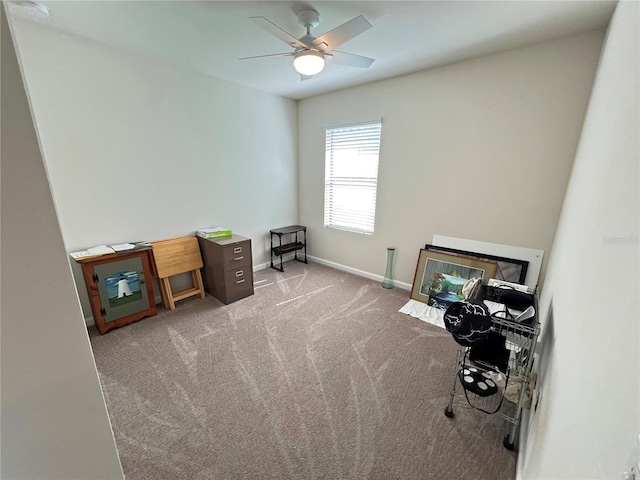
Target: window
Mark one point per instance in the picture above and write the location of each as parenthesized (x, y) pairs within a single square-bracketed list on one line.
[(351, 176)]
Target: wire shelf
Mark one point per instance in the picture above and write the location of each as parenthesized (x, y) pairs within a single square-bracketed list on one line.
[(496, 378)]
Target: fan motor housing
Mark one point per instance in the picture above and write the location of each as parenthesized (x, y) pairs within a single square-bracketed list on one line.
[(308, 18)]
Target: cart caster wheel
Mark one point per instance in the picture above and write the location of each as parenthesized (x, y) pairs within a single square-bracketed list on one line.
[(508, 445), (449, 412)]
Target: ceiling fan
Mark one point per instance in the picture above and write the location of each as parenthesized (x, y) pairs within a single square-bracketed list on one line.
[(310, 52)]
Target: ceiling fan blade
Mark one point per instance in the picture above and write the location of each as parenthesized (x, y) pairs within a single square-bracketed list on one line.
[(349, 59), (305, 77), (341, 34), (288, 54), (276, 31)]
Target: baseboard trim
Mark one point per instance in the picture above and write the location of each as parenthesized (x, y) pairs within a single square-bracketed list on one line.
[(264, 266), (355, 271)]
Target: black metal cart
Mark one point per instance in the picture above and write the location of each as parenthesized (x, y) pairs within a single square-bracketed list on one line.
[(519, 339)]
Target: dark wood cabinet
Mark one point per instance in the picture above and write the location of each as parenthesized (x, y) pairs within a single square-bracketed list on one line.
[(119, 287), (228, 268)]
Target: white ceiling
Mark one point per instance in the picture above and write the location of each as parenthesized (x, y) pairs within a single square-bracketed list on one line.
[(406, 36)]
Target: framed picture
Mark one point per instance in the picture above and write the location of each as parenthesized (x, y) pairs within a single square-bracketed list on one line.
[(123, 287), (440, 276), (507, 269)]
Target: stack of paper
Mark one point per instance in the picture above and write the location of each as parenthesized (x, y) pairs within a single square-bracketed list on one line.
[(121, 247), (214, 232), (92, 252)]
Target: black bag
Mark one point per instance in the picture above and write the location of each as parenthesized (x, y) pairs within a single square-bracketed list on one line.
[(508, 296), (492, 353), (468, 322), (476, 381)]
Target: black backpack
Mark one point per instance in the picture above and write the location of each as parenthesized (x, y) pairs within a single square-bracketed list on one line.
[(468, 322)]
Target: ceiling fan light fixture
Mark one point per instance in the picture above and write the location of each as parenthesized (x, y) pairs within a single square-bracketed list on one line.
[(308, 62)]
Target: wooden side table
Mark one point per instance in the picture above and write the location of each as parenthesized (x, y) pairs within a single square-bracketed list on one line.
[(119, 287), (173, 257)]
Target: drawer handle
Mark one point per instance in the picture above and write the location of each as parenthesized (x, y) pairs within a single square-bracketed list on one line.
[(238, 258), (239, 273), (240, 281), (237, 250)]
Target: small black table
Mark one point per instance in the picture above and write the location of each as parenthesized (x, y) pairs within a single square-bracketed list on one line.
[(293, 245)]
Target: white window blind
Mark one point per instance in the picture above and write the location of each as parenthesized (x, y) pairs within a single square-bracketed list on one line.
[(351, 176)]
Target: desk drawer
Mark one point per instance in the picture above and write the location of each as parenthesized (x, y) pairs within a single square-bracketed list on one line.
[(240, 278), (236, 255)]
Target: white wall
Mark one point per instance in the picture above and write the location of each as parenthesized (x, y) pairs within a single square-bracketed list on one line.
[(480, 149), (54, 421), (138, 150), (588, 419)]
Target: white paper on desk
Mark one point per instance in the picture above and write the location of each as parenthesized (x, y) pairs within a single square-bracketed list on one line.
[(81, 254), (99, 250), (123, 246)]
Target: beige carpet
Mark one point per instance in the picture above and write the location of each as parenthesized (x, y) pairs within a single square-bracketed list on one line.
[(316, 376)]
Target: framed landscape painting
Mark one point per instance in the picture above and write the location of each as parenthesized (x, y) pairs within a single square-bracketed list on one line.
[(508, 269), (440, 276)]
